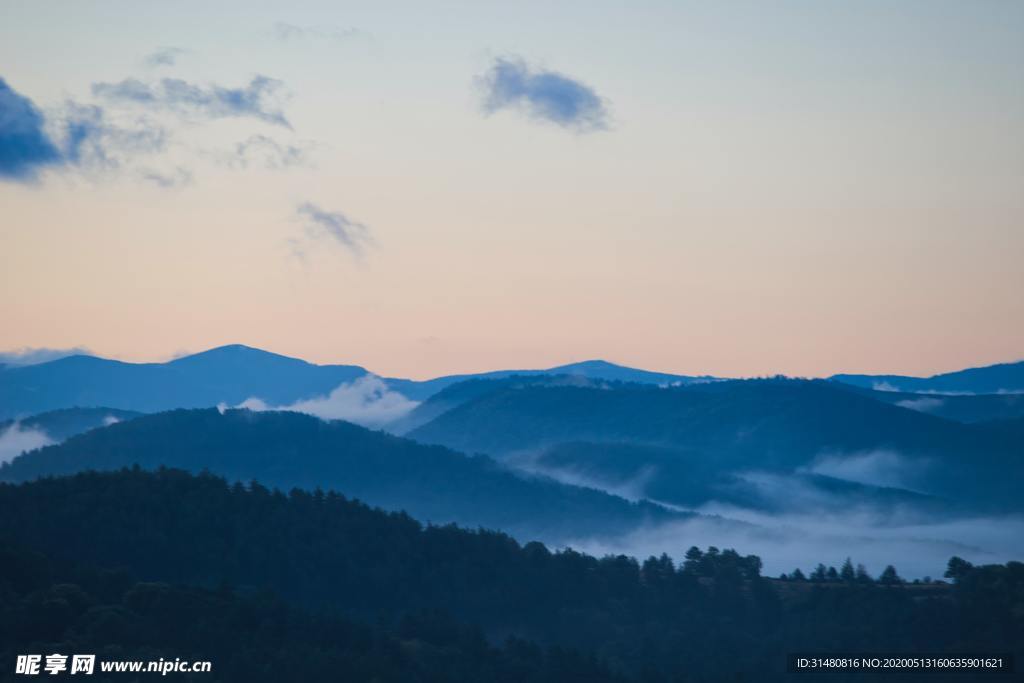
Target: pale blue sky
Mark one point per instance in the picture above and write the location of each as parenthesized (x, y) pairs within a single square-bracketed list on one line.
[(774, 187)]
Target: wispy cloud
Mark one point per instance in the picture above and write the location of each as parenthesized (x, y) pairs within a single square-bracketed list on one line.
[(542, 95), (288, 33), (269, 153), (14, 440), (335, 225), (177, 177), (25, 146), (874, 468), (924, 404), (34, 356), (261, 98), (91, 139), (165, 56)]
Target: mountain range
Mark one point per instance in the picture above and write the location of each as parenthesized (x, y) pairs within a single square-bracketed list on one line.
[(232, 374), (680, 436), (587, 453)]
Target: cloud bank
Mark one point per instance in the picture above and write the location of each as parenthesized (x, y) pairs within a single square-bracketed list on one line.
[(542, 96)]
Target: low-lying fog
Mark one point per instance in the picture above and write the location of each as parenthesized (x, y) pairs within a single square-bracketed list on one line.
[(787, 541), (803, 525)]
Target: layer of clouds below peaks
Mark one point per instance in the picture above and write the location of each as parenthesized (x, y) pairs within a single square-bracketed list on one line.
[(542, 95), (366, 401), (803, 525), (787, 541), (873, 468), (925, 404)]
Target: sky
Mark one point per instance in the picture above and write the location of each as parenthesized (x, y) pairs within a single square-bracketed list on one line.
[(732, 188)]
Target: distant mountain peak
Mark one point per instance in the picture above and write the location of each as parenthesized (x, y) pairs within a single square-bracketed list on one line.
[(593, 364), (233, 350)]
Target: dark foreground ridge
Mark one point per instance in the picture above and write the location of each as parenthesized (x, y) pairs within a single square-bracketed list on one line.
[(710, 618)]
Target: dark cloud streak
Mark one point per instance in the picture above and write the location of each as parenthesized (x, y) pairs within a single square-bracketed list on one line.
[(542, 95), (336, 225), (25, 147), (165, 56), (260, 99)]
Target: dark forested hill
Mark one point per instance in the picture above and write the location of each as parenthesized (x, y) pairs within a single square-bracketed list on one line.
[(775, 425), (709, 618), (50, 605), (291, 449)]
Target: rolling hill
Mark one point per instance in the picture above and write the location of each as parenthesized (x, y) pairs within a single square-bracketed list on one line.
[(765, 425), (991, 379), (294, 450)]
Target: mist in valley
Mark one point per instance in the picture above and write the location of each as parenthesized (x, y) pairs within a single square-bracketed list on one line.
[(796, 524)]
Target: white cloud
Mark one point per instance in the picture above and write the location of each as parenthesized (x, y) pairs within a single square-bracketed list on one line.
[(14, 441), (257, 404), (366, 401)]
